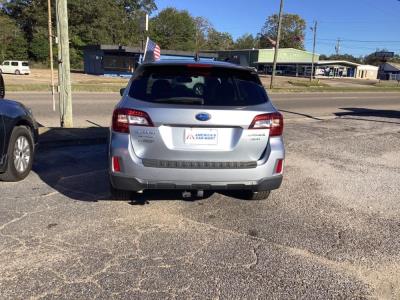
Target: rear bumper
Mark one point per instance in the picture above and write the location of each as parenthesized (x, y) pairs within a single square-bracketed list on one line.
[(134, 184), (135, 176)]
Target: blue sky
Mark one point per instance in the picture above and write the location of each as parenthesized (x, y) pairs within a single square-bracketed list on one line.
[(363, 25)]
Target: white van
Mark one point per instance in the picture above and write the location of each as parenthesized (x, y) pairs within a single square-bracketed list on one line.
[(16, 67)]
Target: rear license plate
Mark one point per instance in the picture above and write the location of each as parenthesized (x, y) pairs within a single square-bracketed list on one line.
[(201, 136)]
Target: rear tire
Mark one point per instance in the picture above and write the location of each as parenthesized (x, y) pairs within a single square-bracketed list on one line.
[(117, 194), (17, 72), (19, 155), (262, 195)]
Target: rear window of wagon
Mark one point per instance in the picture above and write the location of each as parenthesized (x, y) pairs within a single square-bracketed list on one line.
[(198, 85)]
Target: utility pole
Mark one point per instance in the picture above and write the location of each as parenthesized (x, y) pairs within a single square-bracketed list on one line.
[(51, 53), (144, 28), (337, 47), (314, 29), (64, 72), (277, 44)]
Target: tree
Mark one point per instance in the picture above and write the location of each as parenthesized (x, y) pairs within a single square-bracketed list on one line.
[(39, 47), (292, 34), (372, 59), (174, 29), (246, 41), (219, 40), (90, 22), (133, 7), (18, 48), (203, 26), (347, 57), (12, 42), (396, 58)]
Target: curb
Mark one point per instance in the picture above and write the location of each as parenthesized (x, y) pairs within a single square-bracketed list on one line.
[(53, 137)]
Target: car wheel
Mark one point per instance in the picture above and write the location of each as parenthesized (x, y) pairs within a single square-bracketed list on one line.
[(19, 155), (17, 72), (263, 195), (117, 194)]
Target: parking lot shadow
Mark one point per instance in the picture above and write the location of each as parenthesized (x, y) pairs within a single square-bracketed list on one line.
[(61, 137), (79, 171), (74, 162), (300, 114), (357, 112)]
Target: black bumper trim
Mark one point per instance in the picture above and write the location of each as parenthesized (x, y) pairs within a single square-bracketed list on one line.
[(183, 164), (132, 184)]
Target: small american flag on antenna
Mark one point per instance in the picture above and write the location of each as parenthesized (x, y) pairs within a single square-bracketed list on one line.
[(153, 51)]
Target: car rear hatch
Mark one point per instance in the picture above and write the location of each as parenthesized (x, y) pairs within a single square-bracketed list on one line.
[(198, 117)]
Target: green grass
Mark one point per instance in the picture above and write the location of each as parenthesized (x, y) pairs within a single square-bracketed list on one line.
[(335, 89), (34, 87), (105, 88), (307, 83), (38, 87), (390, 84), (104, 81)]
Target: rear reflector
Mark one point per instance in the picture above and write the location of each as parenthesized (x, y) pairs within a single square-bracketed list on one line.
[(279, 166), (115, 164), (271, 121), (125, 117)]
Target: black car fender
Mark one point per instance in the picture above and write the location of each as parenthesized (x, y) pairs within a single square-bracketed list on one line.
[(15, 114)]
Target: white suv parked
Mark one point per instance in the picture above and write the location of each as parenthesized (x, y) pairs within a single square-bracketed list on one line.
[(16, 67)]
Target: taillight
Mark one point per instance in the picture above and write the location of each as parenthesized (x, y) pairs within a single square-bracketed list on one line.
[(279, 166), (271, 121), (124, 117), (115, 164)]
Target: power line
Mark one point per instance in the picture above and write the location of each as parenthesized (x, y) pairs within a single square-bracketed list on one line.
[(381, 10), (354, 21), (358, 41)]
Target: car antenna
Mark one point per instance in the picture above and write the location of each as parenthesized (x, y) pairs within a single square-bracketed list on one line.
[(197, 56)]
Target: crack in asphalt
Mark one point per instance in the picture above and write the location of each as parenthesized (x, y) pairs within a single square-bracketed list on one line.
[(13, 221), (365, 274)]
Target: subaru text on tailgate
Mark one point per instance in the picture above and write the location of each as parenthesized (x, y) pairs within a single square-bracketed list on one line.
[(195, 126)]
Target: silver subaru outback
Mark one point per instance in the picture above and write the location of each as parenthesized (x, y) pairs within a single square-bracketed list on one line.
[(195, 126)]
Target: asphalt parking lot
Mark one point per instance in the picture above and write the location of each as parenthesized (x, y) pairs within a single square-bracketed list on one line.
[(331, 231)]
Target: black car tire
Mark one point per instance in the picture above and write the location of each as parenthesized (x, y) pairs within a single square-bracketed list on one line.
[(11, 173), (17, 72), (263, 195), (117, 194)]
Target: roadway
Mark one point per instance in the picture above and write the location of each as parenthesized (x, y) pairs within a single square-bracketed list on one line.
[(95, 109)]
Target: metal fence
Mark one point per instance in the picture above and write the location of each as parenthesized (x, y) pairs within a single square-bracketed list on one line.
[(394, 77)]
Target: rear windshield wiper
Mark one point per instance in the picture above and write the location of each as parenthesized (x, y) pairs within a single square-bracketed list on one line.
[(185, 100)]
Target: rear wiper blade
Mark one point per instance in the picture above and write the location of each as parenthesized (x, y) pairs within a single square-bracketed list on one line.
[(182, 100)]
